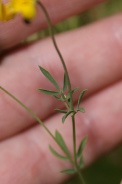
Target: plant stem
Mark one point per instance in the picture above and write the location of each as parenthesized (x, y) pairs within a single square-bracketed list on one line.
[(28, 110), (57, 49), (69, 87), (74, 139), (34, 116), (80, 176), (75, 154)]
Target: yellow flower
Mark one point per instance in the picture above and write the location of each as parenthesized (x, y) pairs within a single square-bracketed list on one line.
[(27, 9), (6, 11)]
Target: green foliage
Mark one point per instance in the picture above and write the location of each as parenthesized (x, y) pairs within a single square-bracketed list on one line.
[(81, 146), (66, 96), (61, 111), (65, 83), (49, 77), (67, 114), (49, 92), (70, 94), (80, 152), (80, 97), (81, 162), (68, 171), (58, 97), (55, 153), (81, 109), (62, 143)]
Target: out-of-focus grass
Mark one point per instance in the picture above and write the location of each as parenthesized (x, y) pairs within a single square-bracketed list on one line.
[(100, 11), (107, 170)]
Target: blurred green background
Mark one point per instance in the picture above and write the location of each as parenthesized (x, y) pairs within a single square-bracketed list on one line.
[(109, 8), (108, 169)]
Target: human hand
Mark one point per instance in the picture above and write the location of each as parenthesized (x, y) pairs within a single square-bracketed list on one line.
[(93, 57)]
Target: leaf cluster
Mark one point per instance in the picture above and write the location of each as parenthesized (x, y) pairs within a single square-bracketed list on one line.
[(66, 156), (80, 151), (60, 141), (65, 96), (62, 95)]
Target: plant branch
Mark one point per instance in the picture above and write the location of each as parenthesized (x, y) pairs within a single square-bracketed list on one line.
[(28, 110), (69, 87), (56, 47), (34, 116)]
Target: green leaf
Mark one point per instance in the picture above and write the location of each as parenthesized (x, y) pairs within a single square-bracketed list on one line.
[(65, 84), (66, 115), (80, 97), (71, 93), (81, 109), (81, 146), (49, 77), (62, 143), (74, 90), (55, 153), (61, 111), (58, 98), (68, 171), (48, 92), (81, 162)]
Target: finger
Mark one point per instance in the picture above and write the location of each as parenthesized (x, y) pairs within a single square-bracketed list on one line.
[(11, 33), (93, 62), (101, 123)]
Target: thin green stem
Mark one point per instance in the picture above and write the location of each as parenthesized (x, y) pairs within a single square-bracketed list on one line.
[(75, 151), (64, 100), (57, 49), (80, 176), (28, 110), (69, 87), (36, 117), (74, 139)]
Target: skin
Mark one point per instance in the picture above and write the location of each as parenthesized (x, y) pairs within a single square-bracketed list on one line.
[(94, 60)]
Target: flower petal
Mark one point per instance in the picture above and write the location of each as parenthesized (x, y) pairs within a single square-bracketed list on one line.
[(27, 8), (6, 11)]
